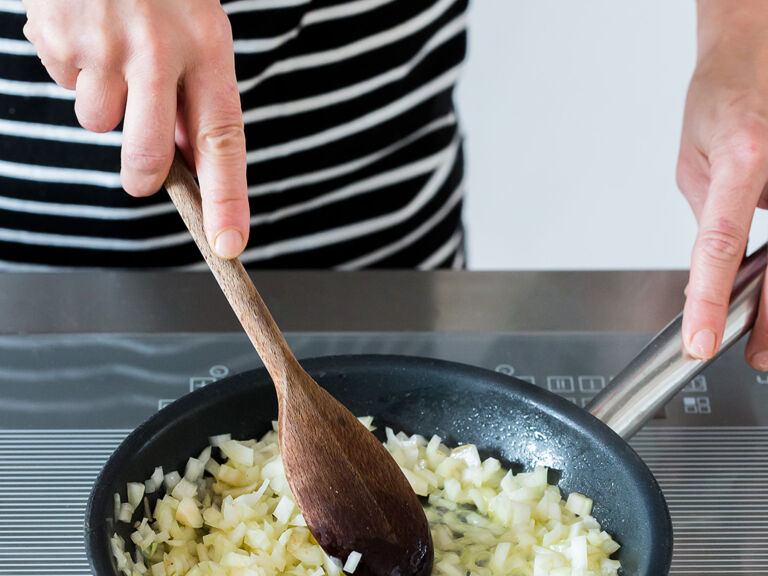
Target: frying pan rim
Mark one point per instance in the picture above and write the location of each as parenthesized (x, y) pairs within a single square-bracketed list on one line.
[(552, 404)]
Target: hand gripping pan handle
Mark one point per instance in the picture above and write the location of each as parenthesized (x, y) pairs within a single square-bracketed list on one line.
[(663, 367)]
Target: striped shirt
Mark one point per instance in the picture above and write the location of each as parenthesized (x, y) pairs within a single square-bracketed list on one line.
[(354, 152)]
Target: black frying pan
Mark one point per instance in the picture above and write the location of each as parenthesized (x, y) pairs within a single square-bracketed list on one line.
[(521, 424), (505, 417)]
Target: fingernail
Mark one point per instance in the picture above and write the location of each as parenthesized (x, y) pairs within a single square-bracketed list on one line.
[(703, 344), (760, 361), (228, 244)]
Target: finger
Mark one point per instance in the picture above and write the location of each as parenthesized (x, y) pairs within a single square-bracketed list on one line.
[(756, 351), (693, 177), (215, 124), (99, 100), (56, 54), (718, 251), (182, 134), (148, 132), (63, 74)]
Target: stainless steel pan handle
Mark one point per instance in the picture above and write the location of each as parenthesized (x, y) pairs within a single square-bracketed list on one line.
[(663, 367)]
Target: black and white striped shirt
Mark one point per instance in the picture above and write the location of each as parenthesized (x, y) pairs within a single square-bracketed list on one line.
[(354, 153)]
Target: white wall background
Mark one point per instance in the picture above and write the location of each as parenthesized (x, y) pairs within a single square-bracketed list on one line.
[(572, 114)]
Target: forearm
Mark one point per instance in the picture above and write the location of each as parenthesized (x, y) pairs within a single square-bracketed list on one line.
[(731, 26)]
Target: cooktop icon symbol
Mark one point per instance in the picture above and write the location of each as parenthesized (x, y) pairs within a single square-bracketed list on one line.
[(560, 384), (216, 373), (219, 371), (507, 369)]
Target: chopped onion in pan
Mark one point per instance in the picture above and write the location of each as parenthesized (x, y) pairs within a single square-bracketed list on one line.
[(154, 482), (170, 480), (352, 561), (234, 515), (135, 493), (217, 441)]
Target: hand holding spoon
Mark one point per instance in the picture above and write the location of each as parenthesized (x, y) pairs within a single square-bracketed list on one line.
[(351, 492)]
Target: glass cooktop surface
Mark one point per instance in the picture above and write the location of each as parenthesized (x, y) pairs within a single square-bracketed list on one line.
[(66, 402)]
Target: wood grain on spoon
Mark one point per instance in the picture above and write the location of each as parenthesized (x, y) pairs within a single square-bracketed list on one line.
[(351, 492)]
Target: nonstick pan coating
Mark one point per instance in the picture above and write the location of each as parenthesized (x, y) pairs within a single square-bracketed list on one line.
[(513, 420)]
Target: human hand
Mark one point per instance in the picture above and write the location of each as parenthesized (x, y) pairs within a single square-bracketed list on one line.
[(723, 167), (167, 68)]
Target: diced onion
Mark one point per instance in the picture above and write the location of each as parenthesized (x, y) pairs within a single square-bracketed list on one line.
[(194, 470), (579, 504), (154, 482), (367, 421), (126, 512), (352, 561), (236, 516), (333, 565), (170, 480), (578, 550), (217, 441), (298, 520), (237, 452), (468, 454), (500, 555), (284, 509), (117, 505), (188, 514), (135, 493), (184, 489), (205, 455)]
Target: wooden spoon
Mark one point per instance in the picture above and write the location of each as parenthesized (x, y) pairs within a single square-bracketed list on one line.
[(351, 492)]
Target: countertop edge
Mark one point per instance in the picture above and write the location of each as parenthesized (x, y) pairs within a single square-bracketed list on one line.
[(323, 301)]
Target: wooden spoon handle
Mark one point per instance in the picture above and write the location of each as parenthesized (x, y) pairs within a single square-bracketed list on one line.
[(233, 279)]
